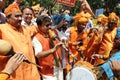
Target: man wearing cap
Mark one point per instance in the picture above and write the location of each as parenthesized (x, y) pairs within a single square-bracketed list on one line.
[(36, 10), (20, 39), (108, 39), (63, 26)]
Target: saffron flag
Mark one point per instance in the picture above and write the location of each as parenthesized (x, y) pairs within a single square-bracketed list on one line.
[(70, 3)]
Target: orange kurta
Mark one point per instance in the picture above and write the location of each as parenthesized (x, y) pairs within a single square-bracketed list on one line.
[(93, 45), (21, 42), (74, 37), (106, 44), (91, 48)]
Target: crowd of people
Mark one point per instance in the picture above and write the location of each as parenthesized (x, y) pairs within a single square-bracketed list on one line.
[(39, 45)]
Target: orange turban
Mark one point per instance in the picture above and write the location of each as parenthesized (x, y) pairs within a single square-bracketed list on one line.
[(36, 7), (77, 17), (88, 15), (81, 14), (113, 17), (83, 20), (11, 9), (103, 19)]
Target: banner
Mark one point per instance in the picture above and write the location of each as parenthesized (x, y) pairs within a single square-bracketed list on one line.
[(98, 12), (70, 3)]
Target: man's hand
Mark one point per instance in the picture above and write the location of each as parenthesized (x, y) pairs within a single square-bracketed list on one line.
[(115, 66), (76, 43), (58, 45), (14, 63), (96, 56)]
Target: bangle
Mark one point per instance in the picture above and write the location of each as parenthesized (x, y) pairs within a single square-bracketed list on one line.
[(5, 73), (104, 57), (101, 56)]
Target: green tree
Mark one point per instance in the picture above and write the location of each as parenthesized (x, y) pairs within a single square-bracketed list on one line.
[(108, 5)]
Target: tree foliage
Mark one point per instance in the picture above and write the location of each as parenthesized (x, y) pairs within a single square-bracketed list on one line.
[(108, 5)]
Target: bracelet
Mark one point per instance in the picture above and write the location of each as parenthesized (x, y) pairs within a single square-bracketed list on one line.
[(104, 57), (101, 56), (5, 73)]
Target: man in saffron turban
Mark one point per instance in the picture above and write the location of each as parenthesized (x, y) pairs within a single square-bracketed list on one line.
[(20, 38)]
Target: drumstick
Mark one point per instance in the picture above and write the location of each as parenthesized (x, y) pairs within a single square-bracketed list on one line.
[(36, 65), (32, 63), (25, 60)]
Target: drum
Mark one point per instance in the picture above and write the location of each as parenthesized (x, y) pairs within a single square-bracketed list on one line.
[(82, 70)]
